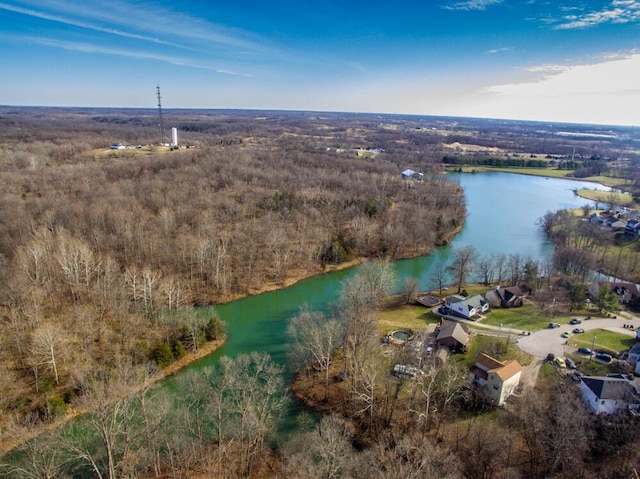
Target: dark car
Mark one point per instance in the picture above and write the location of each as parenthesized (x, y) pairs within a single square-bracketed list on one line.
[(606, 357), (575, 321), (570, 363), (554, 325), (578, 331), (584, 350)]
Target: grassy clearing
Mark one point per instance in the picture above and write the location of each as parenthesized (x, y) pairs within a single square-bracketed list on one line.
[(552, 173), (528, 318), (606, 196), (608, 181), (605, 340), (407, 316)]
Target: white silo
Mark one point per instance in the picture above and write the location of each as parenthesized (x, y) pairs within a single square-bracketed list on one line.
[(174, 137)]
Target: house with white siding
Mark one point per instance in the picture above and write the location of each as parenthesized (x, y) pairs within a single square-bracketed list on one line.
[(467, 308), (610, 394)]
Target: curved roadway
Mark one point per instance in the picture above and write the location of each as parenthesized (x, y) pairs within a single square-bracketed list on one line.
[(541, 343)]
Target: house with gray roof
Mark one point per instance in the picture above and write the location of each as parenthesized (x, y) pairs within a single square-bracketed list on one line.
[(610, 394), (467, 308), (509, 297), (452, 335)]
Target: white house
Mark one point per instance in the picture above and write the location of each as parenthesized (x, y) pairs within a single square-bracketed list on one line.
[(634, 354), (499, 379), (466, 308), (413, 175), (610, 394)]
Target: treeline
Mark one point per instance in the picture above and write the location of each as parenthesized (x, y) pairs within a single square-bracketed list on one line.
[(583, 247), (499, 162), (104, 253)]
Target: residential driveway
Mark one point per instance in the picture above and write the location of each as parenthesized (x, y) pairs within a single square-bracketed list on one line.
[(547, 341)]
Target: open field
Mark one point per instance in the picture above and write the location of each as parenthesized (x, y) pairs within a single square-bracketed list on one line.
[(606, 196)]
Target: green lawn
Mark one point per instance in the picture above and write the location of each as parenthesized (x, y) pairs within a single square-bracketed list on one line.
[(605, 340), (501, 349), (607, 181), (407, 316), (590, 367), (553, 173), (526, 318), (606, 196)]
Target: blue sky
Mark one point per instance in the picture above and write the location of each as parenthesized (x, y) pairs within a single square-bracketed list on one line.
[(556, 60)]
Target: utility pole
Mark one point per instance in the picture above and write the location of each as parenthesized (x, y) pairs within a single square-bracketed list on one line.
[(593, 345), (161, 124)]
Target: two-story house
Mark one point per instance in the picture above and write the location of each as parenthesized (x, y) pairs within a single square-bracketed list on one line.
[(498, 379)]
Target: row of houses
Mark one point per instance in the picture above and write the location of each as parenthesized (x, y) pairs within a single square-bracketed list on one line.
[(473, 307), (615, 222)]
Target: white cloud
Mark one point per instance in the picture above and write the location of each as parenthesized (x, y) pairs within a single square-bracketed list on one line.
[(498, 50), (619, 11), (472, 4), (603, 92)]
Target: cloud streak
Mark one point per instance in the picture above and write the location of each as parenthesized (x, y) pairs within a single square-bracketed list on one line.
[(143, 22), (619, 11), (472, 4), (135, 54)]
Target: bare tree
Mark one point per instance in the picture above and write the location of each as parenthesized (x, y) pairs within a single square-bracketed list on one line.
[(485, 268), (107, 440), (463, 261), (439, 276), (257, 400), (38, 459), (314, 340), (324, 452), (408, 456), (409, 290), (499, 263), (48, 347)]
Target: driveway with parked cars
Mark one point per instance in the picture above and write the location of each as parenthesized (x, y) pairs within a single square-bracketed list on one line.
[(551, 340)]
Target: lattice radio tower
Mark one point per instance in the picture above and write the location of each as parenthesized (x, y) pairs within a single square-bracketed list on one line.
[(161, 125)]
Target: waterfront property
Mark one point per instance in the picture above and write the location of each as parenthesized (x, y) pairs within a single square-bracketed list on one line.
[(467, 308), (509, 297)]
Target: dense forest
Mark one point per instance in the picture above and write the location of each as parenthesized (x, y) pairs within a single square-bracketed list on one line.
[(104, 252)]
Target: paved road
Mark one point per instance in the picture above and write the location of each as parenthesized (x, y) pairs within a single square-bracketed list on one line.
[(547, 341)]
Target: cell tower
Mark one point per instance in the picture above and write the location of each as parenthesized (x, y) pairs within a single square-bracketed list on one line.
[(161, 124)]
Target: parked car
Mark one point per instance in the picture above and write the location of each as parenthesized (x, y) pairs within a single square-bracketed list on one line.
[(585, 350), (561, 362), (575, 321), (554, 325), (566, 334), (570, 363), (578, 331), (606, 357)]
